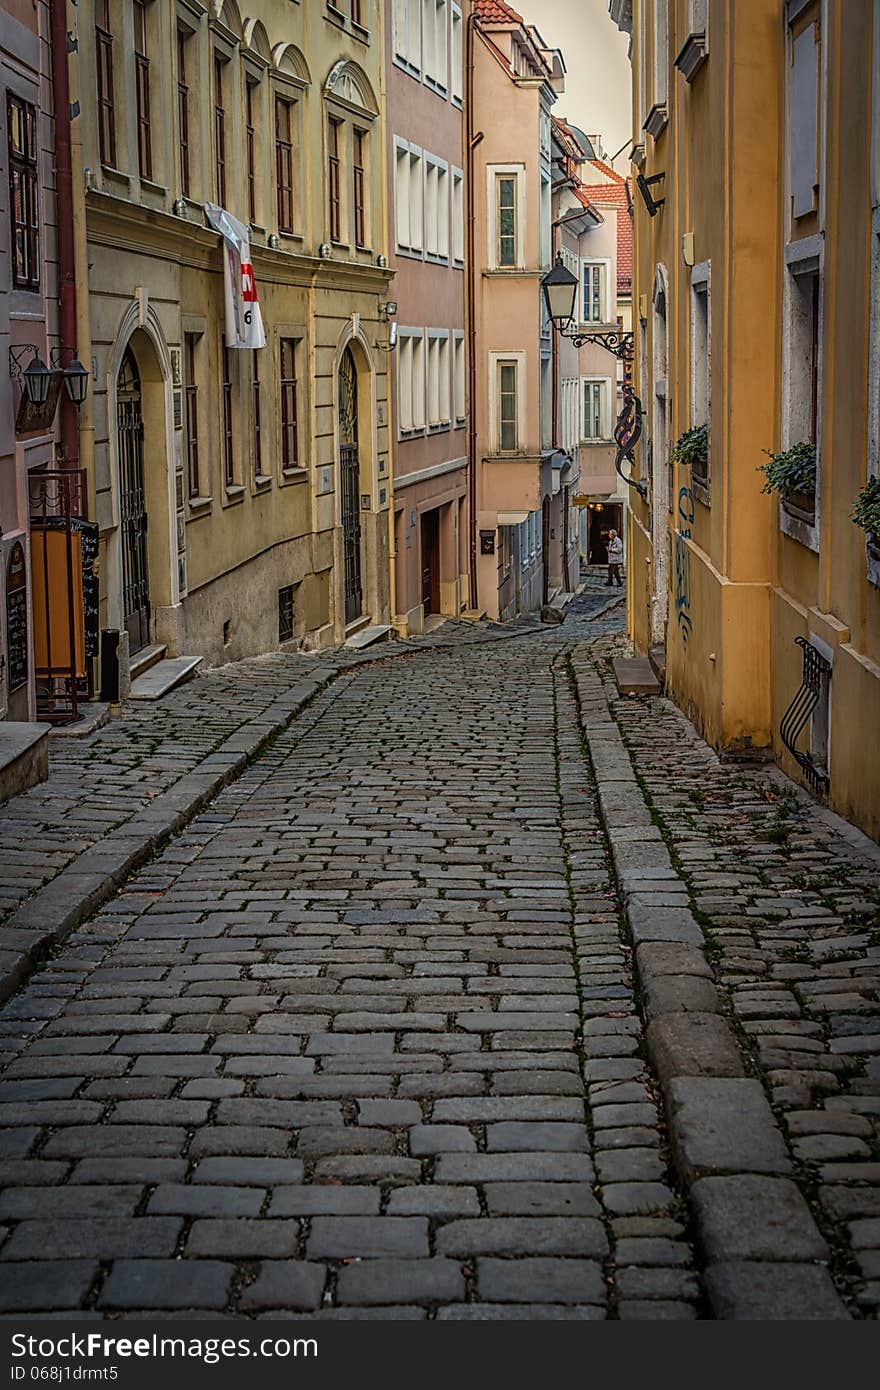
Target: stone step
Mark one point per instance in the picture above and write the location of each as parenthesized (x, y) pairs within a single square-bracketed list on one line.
[(472, 615), (560, 600), (164, 676), (657, 658), (145, 658), (635, 676), (368, 635), (24, 756)]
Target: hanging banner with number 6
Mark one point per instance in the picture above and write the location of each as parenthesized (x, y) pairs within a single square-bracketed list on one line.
[(244, 322)]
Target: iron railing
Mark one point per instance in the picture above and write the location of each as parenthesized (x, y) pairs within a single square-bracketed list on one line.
[(797, 716)]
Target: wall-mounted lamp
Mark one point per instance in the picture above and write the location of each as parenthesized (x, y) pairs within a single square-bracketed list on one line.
[(644, 186), (560, 290), (388, 311), (74, 374)]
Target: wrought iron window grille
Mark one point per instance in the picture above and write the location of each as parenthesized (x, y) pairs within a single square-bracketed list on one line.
[(800, 711)]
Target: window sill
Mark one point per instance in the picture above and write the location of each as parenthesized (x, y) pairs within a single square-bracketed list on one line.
[(156, 190), (294, 475), (359, 32), (233, 494), (693, 55), (289, 236), (440, 428), (416, 432), (409, 68), (262, 481), (658, 117), (436, 258), (702, 490), (797, 525), (411, 253), (200, 505)]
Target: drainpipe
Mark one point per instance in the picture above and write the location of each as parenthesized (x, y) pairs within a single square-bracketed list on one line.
[(470, 143), (64, 217)]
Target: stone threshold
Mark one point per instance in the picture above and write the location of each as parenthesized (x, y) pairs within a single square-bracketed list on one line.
[(765, 1256)]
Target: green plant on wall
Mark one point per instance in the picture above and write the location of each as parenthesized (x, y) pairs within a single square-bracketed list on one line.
[(866, 509), (691, 449), (793, 470)]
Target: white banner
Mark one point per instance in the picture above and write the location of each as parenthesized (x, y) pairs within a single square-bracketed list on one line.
[(244, 322)]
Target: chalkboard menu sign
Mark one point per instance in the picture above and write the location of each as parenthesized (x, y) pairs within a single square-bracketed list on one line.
[(16, 619), (88, 532)]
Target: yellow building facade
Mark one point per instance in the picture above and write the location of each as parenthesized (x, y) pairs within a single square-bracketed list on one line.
[(757, 278), (242, 494)]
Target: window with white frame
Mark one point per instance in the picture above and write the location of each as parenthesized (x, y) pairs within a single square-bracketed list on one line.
[(459, 388), (546, 403), (436, 207), (505, 378), (596, 393), (661, 52), (594, 281), (546, 231), (456, 79), (435, 21), (803, 116), (411, 380), (803, 348), (505, 193), (407, 26), (700, 390), (438, 378), (408, 196), (458, 215)]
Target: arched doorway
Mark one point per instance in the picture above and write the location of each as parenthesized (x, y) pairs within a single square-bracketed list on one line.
[(349, 482), (132, 504)]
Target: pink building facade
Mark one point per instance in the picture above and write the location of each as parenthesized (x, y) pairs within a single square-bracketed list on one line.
[(425, 45)]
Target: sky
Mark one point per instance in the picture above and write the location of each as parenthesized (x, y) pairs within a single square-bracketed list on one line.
[(597, 93)]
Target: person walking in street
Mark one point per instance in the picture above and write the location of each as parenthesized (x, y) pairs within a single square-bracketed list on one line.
[(615, 559)]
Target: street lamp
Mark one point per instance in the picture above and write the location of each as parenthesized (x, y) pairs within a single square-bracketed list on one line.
[(76, 381), (560, 291), (37, 380)]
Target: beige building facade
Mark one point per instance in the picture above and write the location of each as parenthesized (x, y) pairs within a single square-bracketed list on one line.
[(242, 494)]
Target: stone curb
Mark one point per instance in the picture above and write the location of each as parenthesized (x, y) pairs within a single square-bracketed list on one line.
[(729, 1152), (44, 920)]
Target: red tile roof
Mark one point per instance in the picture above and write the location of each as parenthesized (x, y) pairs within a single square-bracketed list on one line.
[(496, 12), (615, 195)]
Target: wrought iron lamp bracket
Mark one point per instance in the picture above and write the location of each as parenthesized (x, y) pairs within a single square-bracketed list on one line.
[(19, 356), (628, 429)]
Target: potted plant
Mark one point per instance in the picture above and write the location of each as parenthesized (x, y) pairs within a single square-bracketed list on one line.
[(792, 474), (866, 513), (691, 449)]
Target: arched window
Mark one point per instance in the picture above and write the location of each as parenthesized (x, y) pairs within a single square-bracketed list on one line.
[(351, 110)]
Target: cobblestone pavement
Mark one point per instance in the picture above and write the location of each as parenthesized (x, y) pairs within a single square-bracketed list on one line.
[(365, 1039), (100, 782), (790, 910), (361, 1041)]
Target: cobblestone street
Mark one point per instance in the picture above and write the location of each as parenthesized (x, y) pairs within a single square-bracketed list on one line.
[(478, 993)]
